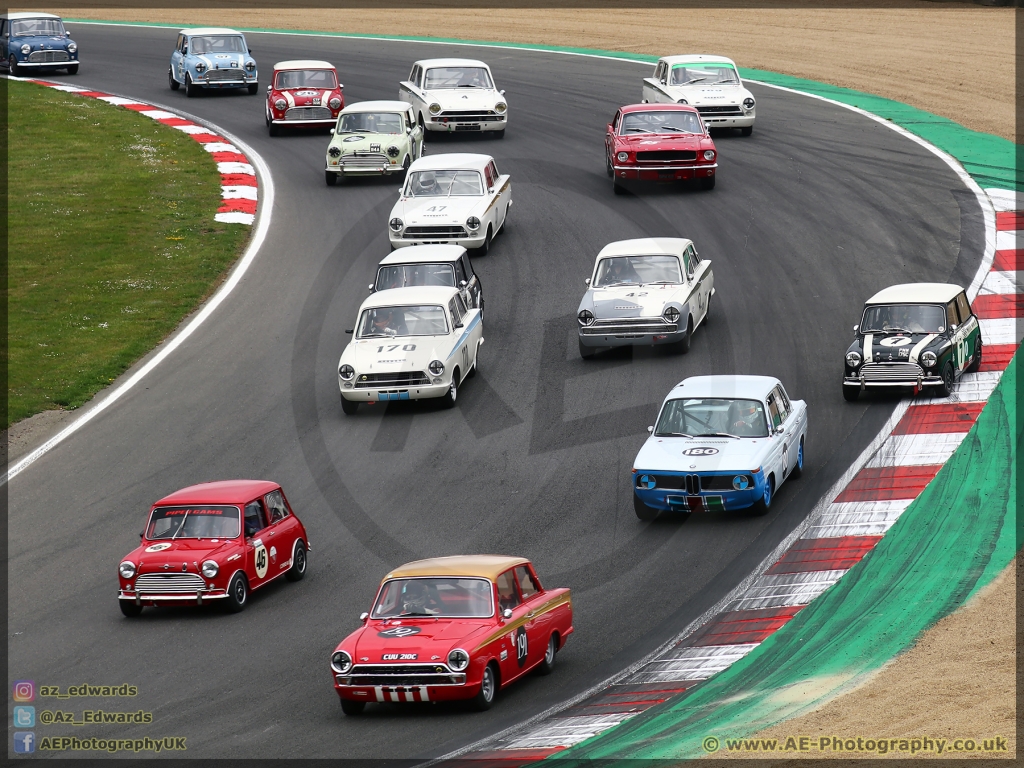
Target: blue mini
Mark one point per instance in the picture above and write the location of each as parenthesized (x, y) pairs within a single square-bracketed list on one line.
[(36, 42), (212, 57)]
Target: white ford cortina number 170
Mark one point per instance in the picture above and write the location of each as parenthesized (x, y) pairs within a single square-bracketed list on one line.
[(456, 199), (410, 344), (710, 83), (654, 290), (455, 95)]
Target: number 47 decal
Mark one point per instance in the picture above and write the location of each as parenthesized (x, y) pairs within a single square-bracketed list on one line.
[(436, 208)]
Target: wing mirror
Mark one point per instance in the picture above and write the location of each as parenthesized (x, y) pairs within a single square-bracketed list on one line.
[(587, 281), (780, 429), (458, 325), (364, 616), (952, 328), (249, 50), (506, 614), (650, 430), (140, 535), (855, 328), (502, 92), (184, 50), (370, 286), (462, 283), (332, 131), (348, 330)]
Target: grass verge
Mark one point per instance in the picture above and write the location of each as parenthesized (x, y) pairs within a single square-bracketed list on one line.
[(111, 242)]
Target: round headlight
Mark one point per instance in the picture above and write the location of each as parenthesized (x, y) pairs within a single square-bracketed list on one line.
[(748, 103), (586, 317), (395, 224), (671, 314), (500, 107), (346, 372), (436, 367), (200, 67), (928, 358), (622, 157), (709, 154), (26, 49), (334, 151), (458, 659), (126, 569), (250, 65), (853, 359), (473, 223), (210, 568), (682, 101), (741, 482), (335, 102), (72, 47), (435, 108), (280, 105), (393, 151), (341, 662)]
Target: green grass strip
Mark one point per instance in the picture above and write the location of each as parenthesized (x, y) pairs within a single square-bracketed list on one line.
[(111, 242), (954, 538)]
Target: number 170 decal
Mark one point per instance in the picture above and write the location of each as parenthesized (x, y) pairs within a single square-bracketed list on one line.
[(393, 347)]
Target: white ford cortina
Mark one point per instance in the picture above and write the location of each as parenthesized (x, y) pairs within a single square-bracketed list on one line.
[(455, 95), (720, 443), (712, 84), (650, 291), (410, 344), (456, 199)]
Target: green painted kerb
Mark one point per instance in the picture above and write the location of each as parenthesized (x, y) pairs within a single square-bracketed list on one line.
[(952, 540)]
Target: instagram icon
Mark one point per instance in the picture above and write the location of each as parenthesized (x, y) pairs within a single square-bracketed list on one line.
[(24, 690)]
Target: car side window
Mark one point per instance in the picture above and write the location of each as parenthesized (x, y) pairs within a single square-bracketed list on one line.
[(660, 73), (453, 308), (3, 27), (255, 520), (460, 304), (694, 256), (275, 503), (784, 399), (460, 273), (508, 597), (773, 411), (468, 267), (494, 170), (526, 584), (687, 265), (615, 122), (781, 403), (412, 74), (964, 306), (951, 315)]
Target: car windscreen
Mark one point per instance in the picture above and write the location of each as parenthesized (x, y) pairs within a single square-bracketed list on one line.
[(217, 44), (444, 184), (403, 275), (37, 27), (707, 416), (660, 121), (634, 270), (194, 522), (370, 122), (908, 318), (705, 74), (457, 77), (307, 78), (425, 320), (451, 597)]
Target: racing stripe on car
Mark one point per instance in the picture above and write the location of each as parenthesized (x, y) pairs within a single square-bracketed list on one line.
[(239, 187)]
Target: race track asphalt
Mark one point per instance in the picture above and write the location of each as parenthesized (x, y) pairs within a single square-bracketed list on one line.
[(816, 211)]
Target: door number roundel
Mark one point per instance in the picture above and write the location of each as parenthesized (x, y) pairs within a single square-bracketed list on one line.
[(260, 553), (522, 646)]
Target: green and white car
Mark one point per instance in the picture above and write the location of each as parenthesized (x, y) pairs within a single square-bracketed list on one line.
[(373, 138)]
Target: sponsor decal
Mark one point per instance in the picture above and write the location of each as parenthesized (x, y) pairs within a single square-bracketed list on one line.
[(700, 451), (399, 656), (158, 547), (399, 632)]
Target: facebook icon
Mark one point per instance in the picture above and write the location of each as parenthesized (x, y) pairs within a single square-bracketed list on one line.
[(24, 742)]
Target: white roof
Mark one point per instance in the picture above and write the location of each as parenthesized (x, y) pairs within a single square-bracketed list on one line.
[(451, 161), (210, 31), (725, 386), (28, 15), (645, 246), (916, 293), (304, 64), (420, 294), (696, 58), (376, 106), (428, 63), (421, 254)]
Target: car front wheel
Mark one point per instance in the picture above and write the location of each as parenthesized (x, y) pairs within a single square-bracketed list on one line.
[(298, 569), (798, 468), (175, 85), (130, 609), (191, 89), (253, 88), (643, 511), (488, 689), (975, 365), (708, 182), (352, 708), (850, 394), (587, 352), (683, 345), (238, 594), (747, 130), (72, 69), (331, 178), (945, 389), (349, 407), (12, 64), (449, 397), (762, 505)]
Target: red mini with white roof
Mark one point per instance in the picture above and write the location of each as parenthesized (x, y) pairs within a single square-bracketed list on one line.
[(659, 142), (452, 628), (303, 93), (215, 541)]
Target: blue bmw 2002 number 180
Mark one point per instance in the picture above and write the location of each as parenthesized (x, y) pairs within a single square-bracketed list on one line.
[(212, 57), (36, 42)]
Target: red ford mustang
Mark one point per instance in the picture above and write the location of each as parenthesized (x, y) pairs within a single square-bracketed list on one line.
[(303, 93), (659, 142), (452, 628), (214, 541)]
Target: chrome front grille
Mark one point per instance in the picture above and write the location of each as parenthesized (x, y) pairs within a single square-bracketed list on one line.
[(693, 483), (448, 232), (165, 583), (909, 372), (721, 111), (406, 674), (454, 115), (43, 57), (364, 160), (629, 326), (224, 75), (308, 113), (666, 156), (396, 379)]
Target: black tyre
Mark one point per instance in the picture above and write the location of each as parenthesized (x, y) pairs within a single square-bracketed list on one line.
[(476, 362), (449, 397), (483, 249), (587, 352), (352, 708), (72, 69), (349, 407), (12, 65), (298, 569), (253, 88), (547, 664), (608, 166), (617, 188), (130, 609), (707, 312), (175, 85), (488, 689), (762, 505), (499, 134), (975, 365), (238, 594), (272, 129), (708, 182), (683, 345), (331, 178), (850, 394), (191, 89), (644, 512), (798, 467), (945, 389), (746, 131)]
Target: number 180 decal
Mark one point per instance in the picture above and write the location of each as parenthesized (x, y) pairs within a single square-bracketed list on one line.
[(700, 452)]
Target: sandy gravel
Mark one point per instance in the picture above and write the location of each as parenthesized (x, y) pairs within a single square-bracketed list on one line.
[(960, 678)]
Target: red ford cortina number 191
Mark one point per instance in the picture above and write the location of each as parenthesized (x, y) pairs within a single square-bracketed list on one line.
[(213, 541), (452, 628), (659, 142), (303, 93)]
